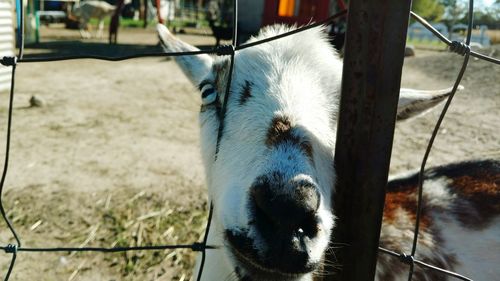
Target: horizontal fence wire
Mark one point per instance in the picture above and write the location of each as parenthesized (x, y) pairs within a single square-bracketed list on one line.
[(227, 50), (196, 247), (409, 260), (219, 50), (455, 46)]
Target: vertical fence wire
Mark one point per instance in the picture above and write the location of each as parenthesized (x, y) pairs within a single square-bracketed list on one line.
[(222, 116), (433, 136), (436, 130), (11, 248)]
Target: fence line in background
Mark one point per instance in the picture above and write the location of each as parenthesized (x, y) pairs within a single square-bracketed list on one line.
[(230, 50)]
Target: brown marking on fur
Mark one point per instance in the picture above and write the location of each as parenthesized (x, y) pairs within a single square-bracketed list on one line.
[(218, 69), (482, 192), (281, 130), (246, 92), (406, 201), (307, 148)]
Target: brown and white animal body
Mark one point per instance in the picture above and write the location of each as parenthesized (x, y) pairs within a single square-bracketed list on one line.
[(271, 183), (86, 10), (460, 223)]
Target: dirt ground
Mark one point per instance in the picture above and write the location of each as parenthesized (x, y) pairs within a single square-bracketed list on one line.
[(112, 158)]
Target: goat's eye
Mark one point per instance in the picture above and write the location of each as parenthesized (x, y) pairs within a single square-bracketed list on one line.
[(208, 94)]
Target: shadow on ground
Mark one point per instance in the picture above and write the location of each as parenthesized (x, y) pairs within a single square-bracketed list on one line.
[(78, 48)]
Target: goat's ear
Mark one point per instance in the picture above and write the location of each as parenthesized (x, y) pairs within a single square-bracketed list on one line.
[(195, 67), (414, 102)]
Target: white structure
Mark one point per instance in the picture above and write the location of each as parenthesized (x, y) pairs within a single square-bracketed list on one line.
[(6, 41), (482, 39), (271, 185), (417, 31)]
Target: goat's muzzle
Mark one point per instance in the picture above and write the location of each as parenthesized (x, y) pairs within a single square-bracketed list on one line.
[(284, 217), (288, 208)]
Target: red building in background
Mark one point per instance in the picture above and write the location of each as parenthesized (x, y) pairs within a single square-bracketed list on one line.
[(295, 11), (254, 14)]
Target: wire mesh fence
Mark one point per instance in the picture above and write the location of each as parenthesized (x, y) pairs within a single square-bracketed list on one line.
[(461, 48)]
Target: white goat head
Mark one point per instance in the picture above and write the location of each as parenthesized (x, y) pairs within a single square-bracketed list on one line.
[(272, 181)]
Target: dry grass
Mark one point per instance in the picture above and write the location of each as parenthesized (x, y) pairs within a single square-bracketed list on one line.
[(494, 36), (108, 219)]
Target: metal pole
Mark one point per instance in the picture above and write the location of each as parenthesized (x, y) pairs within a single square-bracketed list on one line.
[(374, 53), (146, 3)]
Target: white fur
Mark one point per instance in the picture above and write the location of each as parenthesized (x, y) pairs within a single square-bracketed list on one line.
[(298, 77), (478, 250)]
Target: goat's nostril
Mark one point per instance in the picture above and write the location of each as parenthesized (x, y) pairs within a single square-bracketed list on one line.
[(308, 226), (262, 202)]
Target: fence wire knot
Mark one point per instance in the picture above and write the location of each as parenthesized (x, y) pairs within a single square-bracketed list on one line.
[(11, 249), (198, 247), (9, 61), (407, 259), (224, 50), (459, 48)]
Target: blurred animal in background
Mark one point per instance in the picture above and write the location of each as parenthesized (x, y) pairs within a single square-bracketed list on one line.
[(87, 10), (220, 20)]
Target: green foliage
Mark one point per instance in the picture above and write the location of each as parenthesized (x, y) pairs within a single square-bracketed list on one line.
[(488, 18), (431, 10), (427, 45), (456, 12)]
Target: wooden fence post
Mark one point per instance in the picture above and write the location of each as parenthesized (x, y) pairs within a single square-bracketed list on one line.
[(374, 53)]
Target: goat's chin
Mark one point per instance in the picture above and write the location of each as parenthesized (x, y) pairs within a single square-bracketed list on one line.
[(247, 270), (249, 267), (250, 264)]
